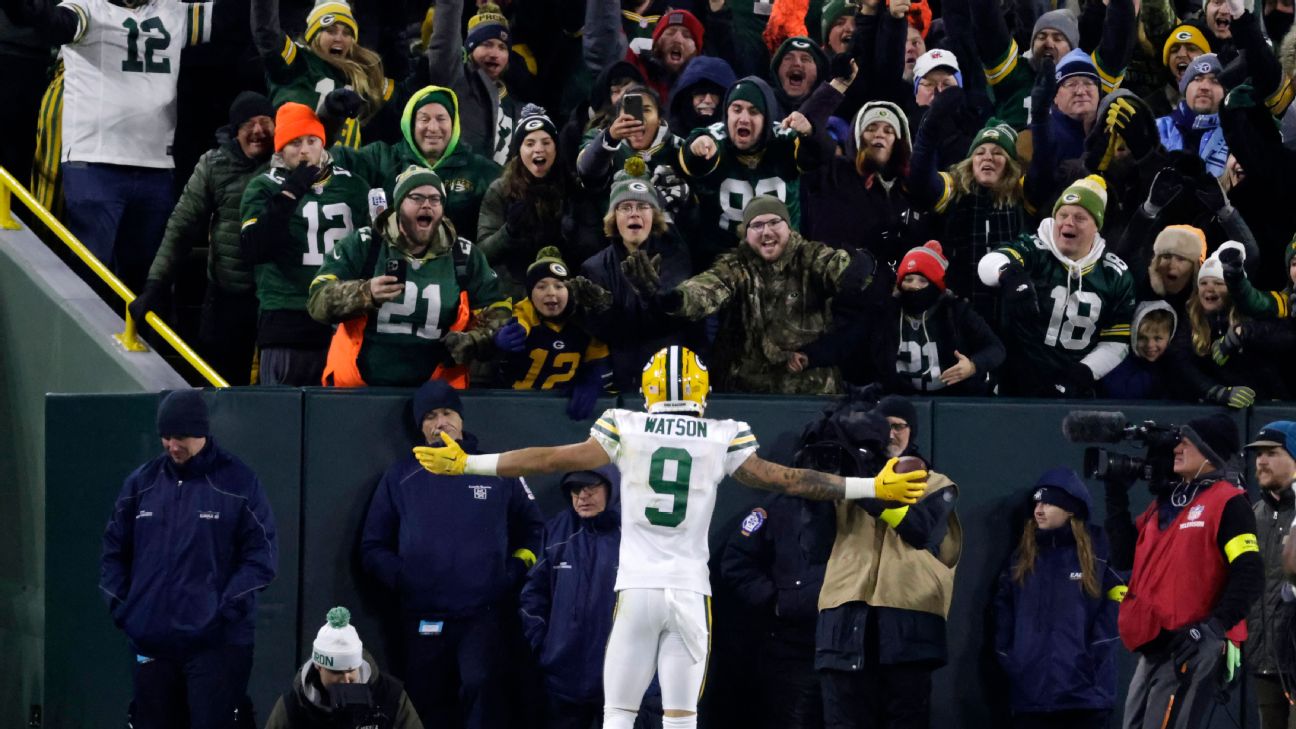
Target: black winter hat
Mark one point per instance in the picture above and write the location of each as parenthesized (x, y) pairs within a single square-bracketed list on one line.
[(895, 406), (1216, 436), (183, 413), (533, 119), (1061, 499), (435, 394), (247, 105)]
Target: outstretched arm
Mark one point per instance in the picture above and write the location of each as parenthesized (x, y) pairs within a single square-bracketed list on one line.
[(762, 474), (450, 459)]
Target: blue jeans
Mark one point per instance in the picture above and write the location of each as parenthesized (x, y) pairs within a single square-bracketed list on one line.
[(119, 213)]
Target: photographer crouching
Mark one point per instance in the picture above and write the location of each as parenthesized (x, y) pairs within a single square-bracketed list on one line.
[(340, 687), (1196, 572)]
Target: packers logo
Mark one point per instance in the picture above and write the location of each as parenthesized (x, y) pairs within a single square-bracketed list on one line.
[(559, 344), (533, 125), (800, 44), (460, 185), (557, 269), (1183, 35), (883, 114), (991, 134), (327, 20), (638, 186), (1070, 198)]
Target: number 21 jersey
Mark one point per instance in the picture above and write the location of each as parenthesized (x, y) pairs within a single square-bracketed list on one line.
[(671, 466)]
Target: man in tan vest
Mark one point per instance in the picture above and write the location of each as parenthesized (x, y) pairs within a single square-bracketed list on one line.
[(885, 597)]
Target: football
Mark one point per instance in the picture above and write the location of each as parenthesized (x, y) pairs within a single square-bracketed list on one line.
[(905, 464)]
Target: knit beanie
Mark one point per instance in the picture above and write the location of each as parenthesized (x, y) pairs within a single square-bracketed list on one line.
[(1205, 63), (247, 105), (326, 13), (684, 18), (928, 261), (1062, 487), (413, 178), (295, 120), (885, 112), (764, 205), (1216, 436), (1077, 63), (548, 264), (1061, 499), (488, 24), (1185, 241), (1289, 254), (996, 132), (1184, 33), (1063, 21), (532, 119), (832, 11), (337, 645), (183, 413), (1279, 434), (630, 183), (432, 395), (897, 406), (1214, 267), (1089, 193), (745, 90)]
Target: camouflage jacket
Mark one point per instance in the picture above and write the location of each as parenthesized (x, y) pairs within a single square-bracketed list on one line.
[(769, 310)]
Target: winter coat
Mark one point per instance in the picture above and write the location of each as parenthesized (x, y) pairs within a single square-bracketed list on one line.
[(701, 71), (450, 546), (1198, 134), (903, 344), (1056, 643), (545, 214), (1135, 378), (207, 213), (306, 707), (568, 600), (1261, 197), (632, 328), (465, 175), (1250, 367), (186, 551), (775, 563), (787, 102), (1269, 622)]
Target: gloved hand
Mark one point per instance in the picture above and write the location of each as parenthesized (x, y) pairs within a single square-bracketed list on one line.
[(905, 488), (1232, 260), (445, 460), (1189, 640), (1227, 346), (343, 104), (1210, 193), (460, 346), (1079, 375), (299, 181), (642, 273), (942, 117), (1238, 397), (588, 294), (519, 221), (585, 391), (1043, 91), (671, 188), (1241, 97), (149, 300), (1133, 121), (1020, 301), (511, 337), (1166, 186)]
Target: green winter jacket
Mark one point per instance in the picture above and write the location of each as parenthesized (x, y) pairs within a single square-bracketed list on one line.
[(208, 214), (465, 174)]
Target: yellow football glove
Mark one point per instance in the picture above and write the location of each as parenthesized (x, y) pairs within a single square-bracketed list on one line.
[(906, 488), (447, 460)]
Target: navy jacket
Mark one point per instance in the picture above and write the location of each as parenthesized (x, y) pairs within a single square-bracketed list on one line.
[(568, 600), (1056, 643), (776, 562), (447, 544), (185, 552)]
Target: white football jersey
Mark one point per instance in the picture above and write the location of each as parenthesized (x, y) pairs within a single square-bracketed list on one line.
[(119, 83), (670, 467)]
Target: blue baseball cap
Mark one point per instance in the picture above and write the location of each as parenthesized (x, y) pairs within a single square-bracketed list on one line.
[(1278, 434)]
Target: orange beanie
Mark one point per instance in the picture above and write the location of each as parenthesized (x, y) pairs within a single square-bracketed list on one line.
[(295, 120)]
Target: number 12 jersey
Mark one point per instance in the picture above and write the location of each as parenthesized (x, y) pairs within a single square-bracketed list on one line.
[(671, 466)]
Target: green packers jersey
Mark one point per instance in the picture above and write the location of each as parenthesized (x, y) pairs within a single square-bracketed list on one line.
[(728, 181), (402, 341), (325, 215), (553, 352), (1077, 313), (297, 74)]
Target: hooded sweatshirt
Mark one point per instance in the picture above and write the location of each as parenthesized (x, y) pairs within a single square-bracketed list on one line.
[(797, 43), (1135, 378), (465, 174), (702, 72)]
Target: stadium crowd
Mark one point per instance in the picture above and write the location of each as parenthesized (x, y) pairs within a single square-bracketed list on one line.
[(964, 197)]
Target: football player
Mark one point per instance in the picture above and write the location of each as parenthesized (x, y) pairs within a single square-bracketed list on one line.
[(671, 460)]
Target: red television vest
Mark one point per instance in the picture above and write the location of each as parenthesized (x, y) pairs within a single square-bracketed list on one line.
[(1179, 571)]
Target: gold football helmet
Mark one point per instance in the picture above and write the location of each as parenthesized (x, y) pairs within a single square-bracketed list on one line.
[(675, 380)]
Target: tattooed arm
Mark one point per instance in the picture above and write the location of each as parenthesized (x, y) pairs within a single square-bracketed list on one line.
[(761, 474)]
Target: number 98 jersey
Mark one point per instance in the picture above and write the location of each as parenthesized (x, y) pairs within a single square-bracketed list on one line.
[(670, 468)]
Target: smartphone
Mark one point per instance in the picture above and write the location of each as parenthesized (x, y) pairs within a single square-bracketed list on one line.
[(397, 267), (632, 104)]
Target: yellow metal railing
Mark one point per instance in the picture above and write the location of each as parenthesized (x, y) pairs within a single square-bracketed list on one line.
[(128, 338)]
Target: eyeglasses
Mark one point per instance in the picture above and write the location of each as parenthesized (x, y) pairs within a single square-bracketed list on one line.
[(626, 208), (899, 427), (771, 224), (420, 199), (585, 488), (1077, 83)]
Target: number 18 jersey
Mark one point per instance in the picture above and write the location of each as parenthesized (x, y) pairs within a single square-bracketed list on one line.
[(670, 468)]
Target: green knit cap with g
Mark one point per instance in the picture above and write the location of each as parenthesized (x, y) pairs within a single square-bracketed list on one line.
[(1089, 193)]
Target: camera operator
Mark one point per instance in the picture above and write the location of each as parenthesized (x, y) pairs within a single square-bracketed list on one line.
[(1196, 572), (340, 687)]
